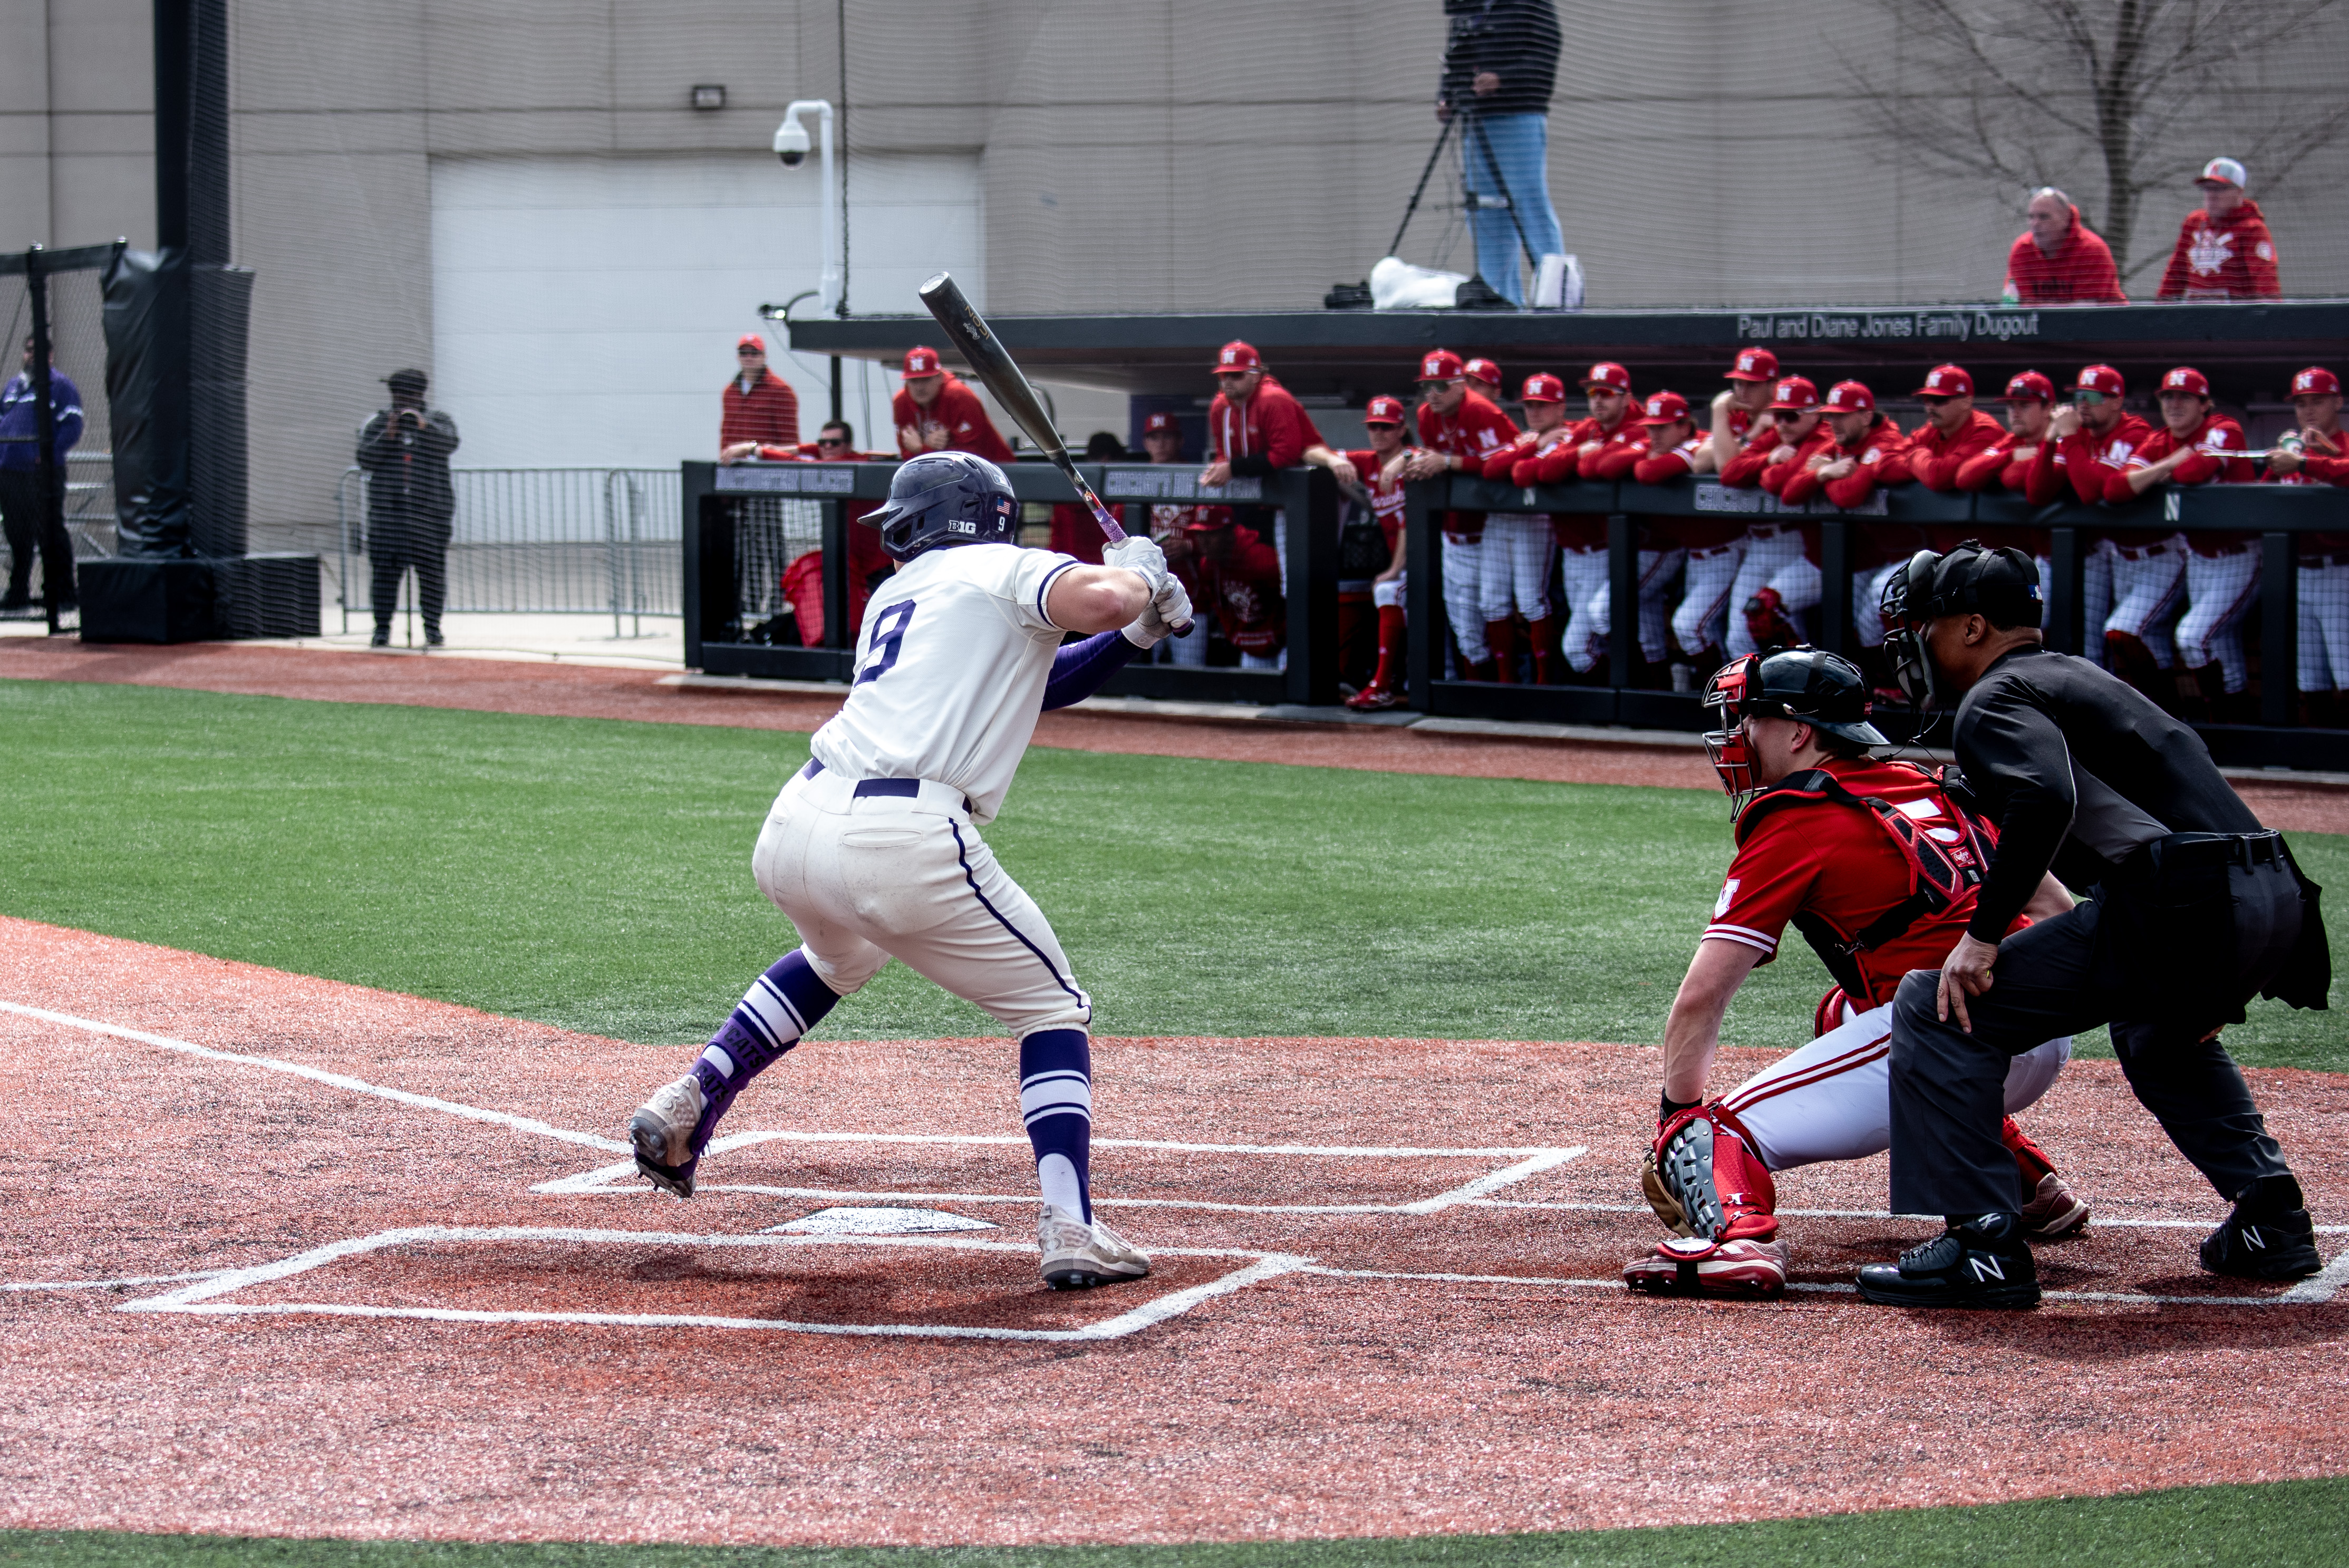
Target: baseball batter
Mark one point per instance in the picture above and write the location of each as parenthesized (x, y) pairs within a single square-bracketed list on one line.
[(873, 849), (1878, 865)]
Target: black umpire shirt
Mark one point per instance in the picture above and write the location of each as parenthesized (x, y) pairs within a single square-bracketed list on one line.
[(2079, 770)]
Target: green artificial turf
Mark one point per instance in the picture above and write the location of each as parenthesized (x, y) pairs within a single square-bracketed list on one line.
[(596, 874), (2279, 1525)]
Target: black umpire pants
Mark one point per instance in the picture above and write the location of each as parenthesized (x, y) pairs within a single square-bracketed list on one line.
[(2055, 978), (390, 554), (28, 528)]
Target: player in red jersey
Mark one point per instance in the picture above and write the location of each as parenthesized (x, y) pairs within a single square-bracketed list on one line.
[(2224, 249), (1674, 449), (934, 412), (1169, 522), (758, 408), (2318, 453), (868, 564), (1742, 411), (1254, 428), (1954, 431), (2197, 445), (1485, 379), (1878, 865), (1612, 427), (1380, 467), (1239, 572), (2005, 463), (1458, 429), (2089, 441), (1518, 554)]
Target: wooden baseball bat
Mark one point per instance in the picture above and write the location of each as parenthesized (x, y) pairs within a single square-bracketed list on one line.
[(969, 332)]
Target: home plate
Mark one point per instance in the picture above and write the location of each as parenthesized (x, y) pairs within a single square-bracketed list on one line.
[(877, 1223)]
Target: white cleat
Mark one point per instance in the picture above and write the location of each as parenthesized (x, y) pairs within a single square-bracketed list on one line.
[(661, 1133), (1077, 1256)]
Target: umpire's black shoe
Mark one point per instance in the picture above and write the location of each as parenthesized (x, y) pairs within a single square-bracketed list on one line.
[(1983, 1260), (2268, 1236)]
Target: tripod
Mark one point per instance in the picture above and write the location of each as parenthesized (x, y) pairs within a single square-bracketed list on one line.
[(1483, 143)]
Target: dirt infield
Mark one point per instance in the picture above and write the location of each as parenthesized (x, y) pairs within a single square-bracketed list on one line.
[(312, 1258), (580, 691)]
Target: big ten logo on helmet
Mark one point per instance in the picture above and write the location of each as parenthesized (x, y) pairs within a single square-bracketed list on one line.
[(962, 525)]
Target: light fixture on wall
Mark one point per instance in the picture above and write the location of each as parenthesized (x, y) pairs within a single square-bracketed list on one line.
[(709, 95)]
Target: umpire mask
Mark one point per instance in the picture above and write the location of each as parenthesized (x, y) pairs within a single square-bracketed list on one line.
[(2000, 585), (1904, 630)]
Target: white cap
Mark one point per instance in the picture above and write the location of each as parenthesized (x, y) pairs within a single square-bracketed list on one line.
[(2226, 171)]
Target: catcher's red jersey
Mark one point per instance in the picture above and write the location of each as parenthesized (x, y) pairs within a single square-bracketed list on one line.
[(1835, 861)]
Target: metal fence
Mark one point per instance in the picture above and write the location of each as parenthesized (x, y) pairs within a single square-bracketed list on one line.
[(538, 541)]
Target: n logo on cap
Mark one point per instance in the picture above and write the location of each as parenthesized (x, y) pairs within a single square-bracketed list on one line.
[(1231, 355)]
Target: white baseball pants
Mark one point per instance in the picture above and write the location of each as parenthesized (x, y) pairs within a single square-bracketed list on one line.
[(1514, 571), (2148, 586), (1698, 620), (1584, 574), (1774, 559), (1832, 1099), (1463, 566), (2218, 589), (1867, 602), (866, 879), (1657, 570), (2325, 626)]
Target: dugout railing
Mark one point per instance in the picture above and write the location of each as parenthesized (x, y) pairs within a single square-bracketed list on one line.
[(747, 524), (2277, 514)]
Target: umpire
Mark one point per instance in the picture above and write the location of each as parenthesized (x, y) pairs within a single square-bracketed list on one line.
[(412, 505), (2196, 909)]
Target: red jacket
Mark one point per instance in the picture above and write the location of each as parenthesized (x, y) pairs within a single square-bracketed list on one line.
[(768, 413), (1521, 453), (2323, 460), (1244, 589), (1268, 432), (1564, 461), (1881, 456), (1673, 463), (2231, 257), (1935, 459), (1996, 467), (1386, 495), (1474, 434), (2220, 453), (2087, 459), (1744, 470), (955, 410), (2081, 271)]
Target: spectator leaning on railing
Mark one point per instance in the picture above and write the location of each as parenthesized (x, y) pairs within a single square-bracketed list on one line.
[(2058, 259), (1742, 411), (28, 521), (2318, 453), (1501, 66), (758, 406), (2224, 249), (411, 502)]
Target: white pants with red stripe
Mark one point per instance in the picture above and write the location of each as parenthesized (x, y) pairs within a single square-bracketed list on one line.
[(1584, 573), (2148, 586), (1518, 550), (2218, 589), (1698, 620), (1657, 570), (1463, 566), (1833, 1099), (1774, 559), (2325, 626)]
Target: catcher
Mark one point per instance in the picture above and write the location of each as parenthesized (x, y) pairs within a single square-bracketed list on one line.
[(1878, 865)]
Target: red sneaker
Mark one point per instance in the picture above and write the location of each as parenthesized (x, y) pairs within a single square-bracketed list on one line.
[(1374, 697)]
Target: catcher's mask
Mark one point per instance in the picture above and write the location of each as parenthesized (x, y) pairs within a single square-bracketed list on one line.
[(1807, 685), (2000, 585)]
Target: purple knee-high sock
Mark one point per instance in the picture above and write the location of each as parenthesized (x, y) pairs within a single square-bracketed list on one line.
[(781, 1004), (1056, 1098)]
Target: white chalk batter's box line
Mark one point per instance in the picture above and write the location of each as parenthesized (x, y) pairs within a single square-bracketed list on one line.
[(209, 1297), (619, 1181)]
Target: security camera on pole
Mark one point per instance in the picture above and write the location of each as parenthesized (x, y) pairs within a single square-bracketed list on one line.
[(791, 147)]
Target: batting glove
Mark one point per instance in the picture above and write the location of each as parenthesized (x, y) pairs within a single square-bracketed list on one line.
[(1168, 612), (1142, 558)]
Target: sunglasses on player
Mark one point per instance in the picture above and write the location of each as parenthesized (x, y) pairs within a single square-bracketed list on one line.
[(832, 440)]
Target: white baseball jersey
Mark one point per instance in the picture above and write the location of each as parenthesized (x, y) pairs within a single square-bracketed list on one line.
[(951, 665)]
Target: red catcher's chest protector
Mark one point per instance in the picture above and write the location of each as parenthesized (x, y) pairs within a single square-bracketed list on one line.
[(1940, 874)]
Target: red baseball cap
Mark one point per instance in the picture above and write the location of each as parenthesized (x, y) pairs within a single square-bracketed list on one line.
[(2316, 382), (1754, 364), (1849, 397), (1483, 370), (1237, 357), (2030, 385), (920, 361), (1544, 387), (1383, 411), (751, 340), (2185, 378), (1796, 395), (1665, 409), (1162, 421), (2101, 378), (1947, 381), (1609, 375), (1440, 365)]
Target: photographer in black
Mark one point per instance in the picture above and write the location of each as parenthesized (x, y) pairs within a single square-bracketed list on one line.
[(411, 502), (2195, 910)]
